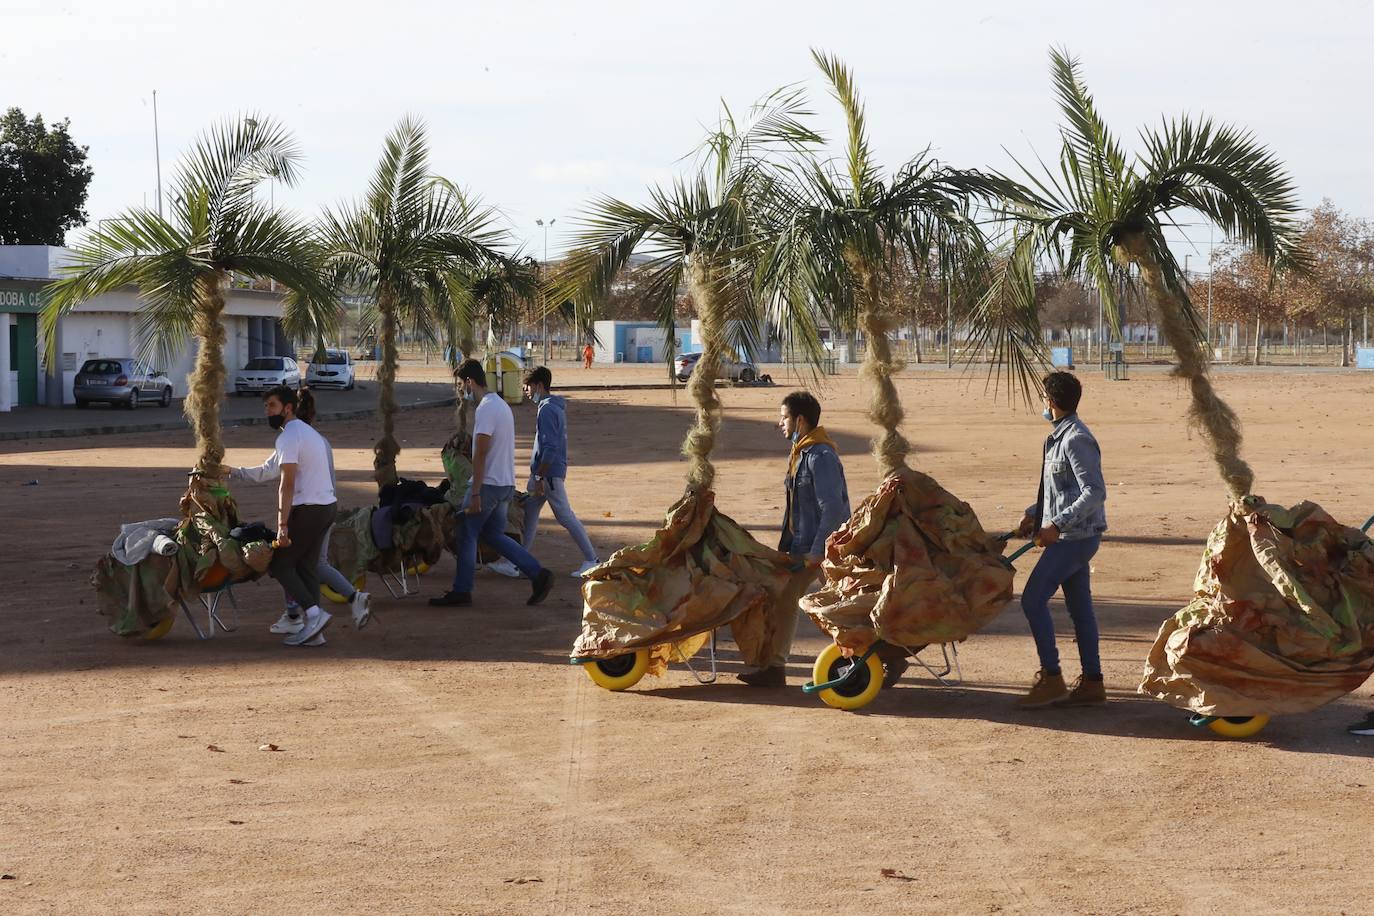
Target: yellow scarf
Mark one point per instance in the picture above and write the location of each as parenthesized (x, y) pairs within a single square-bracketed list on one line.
[(817, 436)]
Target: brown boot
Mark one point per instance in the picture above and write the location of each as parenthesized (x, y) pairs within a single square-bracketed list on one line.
[(1047, 690), (1085, 693)]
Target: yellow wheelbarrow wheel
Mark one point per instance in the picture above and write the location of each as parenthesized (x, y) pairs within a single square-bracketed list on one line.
[(1238, 726), (857, 693), (418, 569), (159, 630), (335, 597), (619, 673)]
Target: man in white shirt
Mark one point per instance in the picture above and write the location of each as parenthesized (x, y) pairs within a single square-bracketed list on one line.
[(489, 494), (360, 601), (305, 509)]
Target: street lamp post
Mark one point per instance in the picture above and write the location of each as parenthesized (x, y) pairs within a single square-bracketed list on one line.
[(543, 303)]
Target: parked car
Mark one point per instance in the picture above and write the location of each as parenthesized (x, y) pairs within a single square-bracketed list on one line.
[(334, 371), (733, 370), (264, 373), (121, 381)]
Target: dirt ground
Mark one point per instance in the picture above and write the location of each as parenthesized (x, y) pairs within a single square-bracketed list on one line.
[(451, 761)]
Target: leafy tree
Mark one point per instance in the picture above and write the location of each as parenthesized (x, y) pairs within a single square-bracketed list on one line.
[(43, 181), (182, 264), (1065, 304), (1245, 290), (1339, 287)]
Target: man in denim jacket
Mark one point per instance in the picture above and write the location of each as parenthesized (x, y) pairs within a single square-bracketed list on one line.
[(1067, 519), (817, 504)]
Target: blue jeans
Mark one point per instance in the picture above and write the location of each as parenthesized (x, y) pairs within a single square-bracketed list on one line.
[(556, 495), (488, 525), (1064, 564)]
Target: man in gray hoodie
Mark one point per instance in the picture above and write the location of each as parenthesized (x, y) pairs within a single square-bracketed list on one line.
[(549, 472)]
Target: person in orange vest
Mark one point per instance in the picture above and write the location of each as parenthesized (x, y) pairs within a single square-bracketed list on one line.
[(587, 354)]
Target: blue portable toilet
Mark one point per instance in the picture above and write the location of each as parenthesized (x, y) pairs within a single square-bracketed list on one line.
[(1061, 357), (644, 355)]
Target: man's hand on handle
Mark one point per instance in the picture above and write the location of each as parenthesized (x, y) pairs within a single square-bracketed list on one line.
[(1026, 528)]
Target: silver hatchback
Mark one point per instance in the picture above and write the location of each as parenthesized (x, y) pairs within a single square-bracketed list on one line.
[(121, 381)]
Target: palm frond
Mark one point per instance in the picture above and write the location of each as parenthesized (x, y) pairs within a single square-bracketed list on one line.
[(1006, 319)]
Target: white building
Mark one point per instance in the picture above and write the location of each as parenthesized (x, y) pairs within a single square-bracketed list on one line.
[(105, 327)]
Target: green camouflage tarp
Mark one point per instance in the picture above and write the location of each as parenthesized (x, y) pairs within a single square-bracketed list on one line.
[(912, 566), (700, 571), (419, 539), (1282, 618)]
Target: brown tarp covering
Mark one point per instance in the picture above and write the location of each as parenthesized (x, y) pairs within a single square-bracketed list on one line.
[(1282, 620), (699, 571), (139, 597), (912, 566)]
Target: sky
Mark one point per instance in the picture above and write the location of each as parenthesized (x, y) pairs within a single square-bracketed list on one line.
[(539, 107)]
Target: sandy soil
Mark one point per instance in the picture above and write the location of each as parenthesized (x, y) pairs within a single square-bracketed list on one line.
[(451, 761)]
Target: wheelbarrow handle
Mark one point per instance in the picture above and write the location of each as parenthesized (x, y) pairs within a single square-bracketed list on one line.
[(1020, 550), (1367, 525)]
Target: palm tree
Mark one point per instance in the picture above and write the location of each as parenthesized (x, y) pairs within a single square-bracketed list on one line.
[(1105, 212), (412, 241), (495, 291), (704, 232), (842, 232), (181, 264)]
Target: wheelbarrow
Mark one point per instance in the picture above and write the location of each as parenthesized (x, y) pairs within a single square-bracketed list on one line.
[(1236, 727), (621, 672), (852, 682)]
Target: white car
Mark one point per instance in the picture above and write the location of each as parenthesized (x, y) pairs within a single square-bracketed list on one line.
[(265, 373), (334, 371)]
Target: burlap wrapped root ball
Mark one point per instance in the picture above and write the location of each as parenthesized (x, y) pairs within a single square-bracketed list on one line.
[(912, 566), (699, 571), (1282, 618)]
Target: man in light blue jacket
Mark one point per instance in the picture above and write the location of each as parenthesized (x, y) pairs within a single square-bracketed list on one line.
[(1067, 519), (549, 472), (817, 504)]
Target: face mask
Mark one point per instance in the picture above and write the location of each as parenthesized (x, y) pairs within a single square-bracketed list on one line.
[(536, 397), (276, 421), (467, 396), (1048, 415), (796, 435)]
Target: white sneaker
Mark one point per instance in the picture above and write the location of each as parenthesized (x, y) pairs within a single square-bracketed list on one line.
[(362, 610), (317, 641), (313, 626), (505, 567), (286, 624), (584, 569)]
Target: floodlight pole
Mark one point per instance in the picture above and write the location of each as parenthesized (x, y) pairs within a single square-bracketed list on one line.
[(542, 300), (949, 323), (1211, 230), (157, 155)]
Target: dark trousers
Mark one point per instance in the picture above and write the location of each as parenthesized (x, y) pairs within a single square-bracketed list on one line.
[(1064, 564), (296, 565)]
